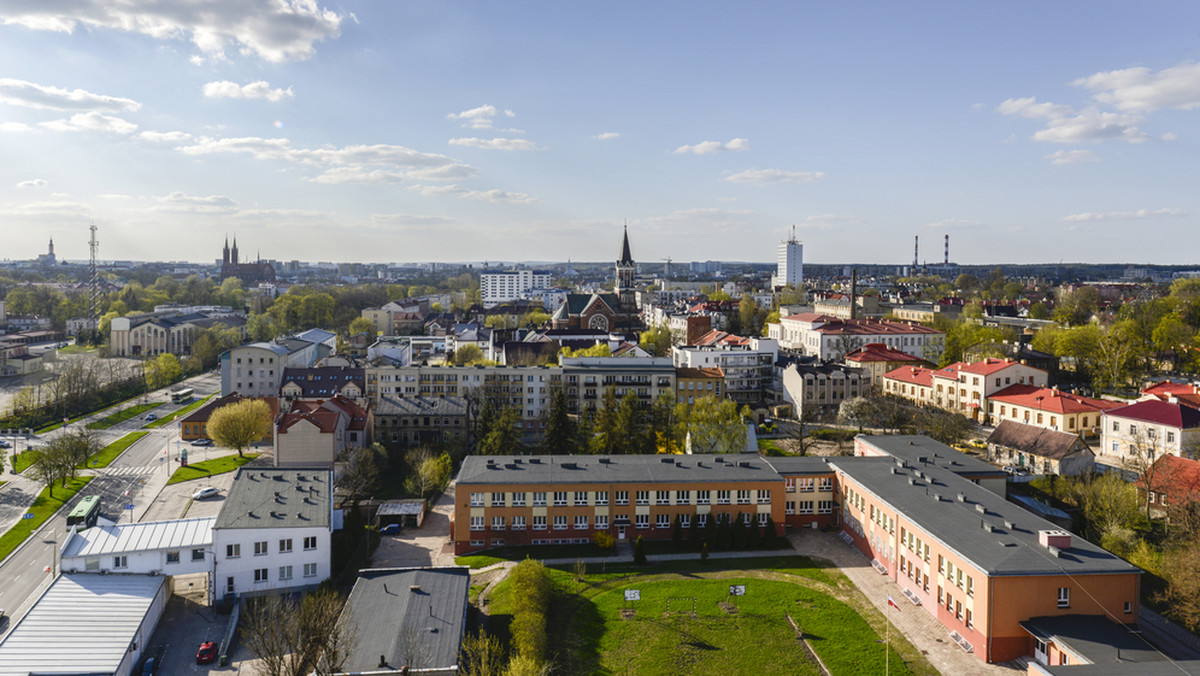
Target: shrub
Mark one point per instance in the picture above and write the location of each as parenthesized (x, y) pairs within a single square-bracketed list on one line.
[(604, 540), (531, 593), (639, 552)]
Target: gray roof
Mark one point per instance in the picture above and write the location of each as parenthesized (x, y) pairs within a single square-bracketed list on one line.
[(1097, 639), (421, 406), (401, 507), (324, 381), (140, 537), (1036, 440), (808, 464), (82, 624), (958, 525), (277, 498), (582, 469), (421, 627), (914, 448)]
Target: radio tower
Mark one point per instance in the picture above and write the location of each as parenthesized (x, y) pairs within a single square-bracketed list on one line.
[(93, 276)]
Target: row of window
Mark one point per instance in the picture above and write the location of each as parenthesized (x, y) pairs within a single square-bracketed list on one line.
[(285, 573), (806, 507), (600, 498), (261, 548), (806, 484), (478, 523)]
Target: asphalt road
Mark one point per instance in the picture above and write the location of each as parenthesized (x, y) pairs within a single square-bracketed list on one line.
[(132, 479)]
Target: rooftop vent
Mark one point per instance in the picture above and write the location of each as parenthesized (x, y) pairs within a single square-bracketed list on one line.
[(535, 461), (667, 460), (414, 588), (569, 465), (987, 526), (605, 461), (1054, 551), (962, 497), (980, 508), (743, 463), (912, 481), (1008, 524)]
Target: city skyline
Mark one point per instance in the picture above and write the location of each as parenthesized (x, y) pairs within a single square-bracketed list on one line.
[(358, 132)]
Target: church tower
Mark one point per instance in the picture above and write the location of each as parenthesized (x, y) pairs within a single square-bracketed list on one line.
[(626, 269), (225, 253), (233, 255)]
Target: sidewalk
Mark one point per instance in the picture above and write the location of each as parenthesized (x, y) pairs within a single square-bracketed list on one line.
[(918, 626)]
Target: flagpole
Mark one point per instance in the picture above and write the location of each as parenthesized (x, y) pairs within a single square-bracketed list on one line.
[(887, 664)]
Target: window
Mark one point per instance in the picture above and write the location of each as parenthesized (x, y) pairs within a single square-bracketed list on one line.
[(789, 485), (703, 497), (310, 543), (539, 499), (497, 523), (825, 507), (229, 585), (1064, 597), (806, 506), (310, 570), (622, 497), (560, 498), (260, 574), (789, 507), (743, 497), (1116, 426), (643, 497), (560, 523), (685, 520), (580, 498), (1128, 607), (825, 484), (970, 586), (581, 523), (197, 554), (497, 499), (764, 497), (233, 551), (762, 519), (806, 485), (1170, 437), (662, 521), (120, 561), (662, 497), (477, 523), (601, 497), (285, 573), (970, 620), (260, 548), (285, 545), (519, 499), (722, 497), (172, 557), (701, 520), (518, 523), (683, 497), (642, 520), (601, 521), (539, 523)]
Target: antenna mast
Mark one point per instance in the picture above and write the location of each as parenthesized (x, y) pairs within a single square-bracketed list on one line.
[(93, 276)]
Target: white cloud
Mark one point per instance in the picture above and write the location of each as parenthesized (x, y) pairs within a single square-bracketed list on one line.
[(180, 202), (92, 122), (359, 175), (165, 136), (710, 147), (32, 183), (1073, 157), (1140, 214), (114, 196), (1030, 108), (47, 210), (478, 118), (14, 126), (774, 176), (275, 30), (281, 149), (606, 136), (494, 196), (30, 95), (224, 89), (420, 220), (1140, 89), (448, 172), (1091, 126), (953, 224), (1170, 136), (495, 143)]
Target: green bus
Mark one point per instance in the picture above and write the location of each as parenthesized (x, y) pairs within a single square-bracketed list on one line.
[(85, 512)]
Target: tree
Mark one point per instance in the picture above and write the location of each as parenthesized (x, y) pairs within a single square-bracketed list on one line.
[(597, 350), (162, 371), (558, 438), (467, 354), (639, 552), (532, 592), (808, 414), (362, 325), (748, 315), (240, 424), (288, 635), (1115, 356), (261, 327), (856, 411), (657, 340), (503, 438), (361, 474), (1181, 598), (483, 655), (714, 426), (433, 474), (944, 426)]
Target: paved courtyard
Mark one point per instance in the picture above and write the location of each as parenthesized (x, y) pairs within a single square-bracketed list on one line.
[(428, 545)]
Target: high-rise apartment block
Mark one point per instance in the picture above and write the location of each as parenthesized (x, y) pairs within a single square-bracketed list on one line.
[(790, 269), (507, 286)]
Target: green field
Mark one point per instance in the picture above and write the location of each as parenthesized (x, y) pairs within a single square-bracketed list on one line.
[(207, 468), (43, 508), (22, 461), (121, 416), (590, 635), (170, 417), (111, 451)]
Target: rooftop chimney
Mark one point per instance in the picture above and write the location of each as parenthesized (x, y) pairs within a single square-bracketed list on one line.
[(1054, 539)]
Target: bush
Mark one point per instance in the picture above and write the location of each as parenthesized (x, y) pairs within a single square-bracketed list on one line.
[(604, 539), (639, 552), (531, 593)]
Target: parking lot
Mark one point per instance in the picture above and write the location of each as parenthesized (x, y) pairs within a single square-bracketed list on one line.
[(428, 545)]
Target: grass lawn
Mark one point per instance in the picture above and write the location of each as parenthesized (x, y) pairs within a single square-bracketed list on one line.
[(170, 417), (22, 461), (539, 552), (121, 416), (51, 428), (77, 349), (111, 451), (794, 564), (589, 635), (43, 508), (207, 468)]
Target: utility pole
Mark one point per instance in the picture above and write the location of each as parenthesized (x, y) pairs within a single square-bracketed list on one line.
[(94, 277)]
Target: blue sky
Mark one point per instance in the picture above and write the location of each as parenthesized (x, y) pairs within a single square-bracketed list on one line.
[(390, 130)]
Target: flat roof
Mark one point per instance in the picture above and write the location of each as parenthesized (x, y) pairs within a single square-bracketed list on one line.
[(932, 503), (807, 464), (140, 537), (391, 609), (1099, 640), (583, 469), (277, 498), (82, 624), (915, 447), (401, 507)]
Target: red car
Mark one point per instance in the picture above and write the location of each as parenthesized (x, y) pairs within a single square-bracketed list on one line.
[(207, 653)]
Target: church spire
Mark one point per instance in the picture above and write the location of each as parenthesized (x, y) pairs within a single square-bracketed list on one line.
[(626, 257)]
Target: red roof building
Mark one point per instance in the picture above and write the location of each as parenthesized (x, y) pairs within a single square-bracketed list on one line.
[(315, 433), (961, 387), (1149, 429), (1171, 481), (1050, 408)]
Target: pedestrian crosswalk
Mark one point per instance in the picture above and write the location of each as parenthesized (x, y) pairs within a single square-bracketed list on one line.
[(129, 471)]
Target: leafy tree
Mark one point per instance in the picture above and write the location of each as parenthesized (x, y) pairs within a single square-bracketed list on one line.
[(945, 426), (630, 434), (288, 634), (558, 437), (162, 371), (262, 327), (361, 474), (1173, 337), (856, 411), (1039, 310), (467, 354), (1116, 355), (240, 424), (503, 437), (483, 655), (748, 315), (362, 325), (713, 425), (657, 340), (639, 552), (532, 593), (433, 474), (597, 350), (1076, 307)]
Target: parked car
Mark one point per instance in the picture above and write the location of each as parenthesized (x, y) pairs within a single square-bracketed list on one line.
[(4, 444), (148, 667), (206, 492), (202, 442), (151, 416), (390, 529), (207, 654)]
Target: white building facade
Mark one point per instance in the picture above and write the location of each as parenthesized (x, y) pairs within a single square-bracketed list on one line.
[(789, 269), (503, 287)]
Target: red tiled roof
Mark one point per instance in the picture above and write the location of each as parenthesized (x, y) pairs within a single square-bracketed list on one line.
[(715, 337), (879, 352), (692, 372), (914, 375), (987, 366), (1166, 389), (1051, 400), (1160, 412), (1177, 477)]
